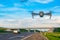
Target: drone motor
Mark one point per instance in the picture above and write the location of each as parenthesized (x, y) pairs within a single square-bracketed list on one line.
[(41, 14)]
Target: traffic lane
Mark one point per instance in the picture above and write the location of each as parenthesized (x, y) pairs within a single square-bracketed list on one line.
[(11, 36)]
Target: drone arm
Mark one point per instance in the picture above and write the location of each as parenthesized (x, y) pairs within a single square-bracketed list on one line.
[(33, 14), (49, 14)]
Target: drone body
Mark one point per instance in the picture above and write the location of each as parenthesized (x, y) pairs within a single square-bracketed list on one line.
[(41, 14)]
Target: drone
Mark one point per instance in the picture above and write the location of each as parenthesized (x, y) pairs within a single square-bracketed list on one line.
[(41, 14)]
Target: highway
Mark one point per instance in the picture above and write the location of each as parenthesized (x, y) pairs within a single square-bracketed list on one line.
[(11, 36)]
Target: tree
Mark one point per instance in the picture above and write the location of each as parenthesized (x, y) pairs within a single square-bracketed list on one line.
[(56, 29)]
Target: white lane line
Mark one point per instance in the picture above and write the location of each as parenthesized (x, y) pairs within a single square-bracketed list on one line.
[(26, 37), (5, 33), (16, 37)]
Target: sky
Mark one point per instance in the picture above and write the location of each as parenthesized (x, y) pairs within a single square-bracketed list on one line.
[(14, 10)]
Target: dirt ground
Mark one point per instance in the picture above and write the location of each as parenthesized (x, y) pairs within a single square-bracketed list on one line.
[(36, 36)]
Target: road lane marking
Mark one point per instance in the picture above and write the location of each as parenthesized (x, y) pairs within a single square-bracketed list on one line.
[(26, 37), (15, 37)]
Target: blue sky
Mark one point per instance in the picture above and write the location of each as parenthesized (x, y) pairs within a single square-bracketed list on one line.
[(15, 9), (16, 13)]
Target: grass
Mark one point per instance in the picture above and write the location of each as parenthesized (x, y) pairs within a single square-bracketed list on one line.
[(52, 35), (2, 30)]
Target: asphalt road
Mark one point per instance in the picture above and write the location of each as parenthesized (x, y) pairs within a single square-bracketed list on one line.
[(11, 36)]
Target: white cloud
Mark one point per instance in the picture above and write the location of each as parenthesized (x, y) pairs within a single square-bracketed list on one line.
[(42, 1), (18, 5), (1, 5), (15, 4), (13, 9), (30, 23), (56, 9), (13, 12)]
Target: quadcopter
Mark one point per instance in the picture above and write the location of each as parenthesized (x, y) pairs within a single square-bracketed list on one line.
[(41, 14)]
